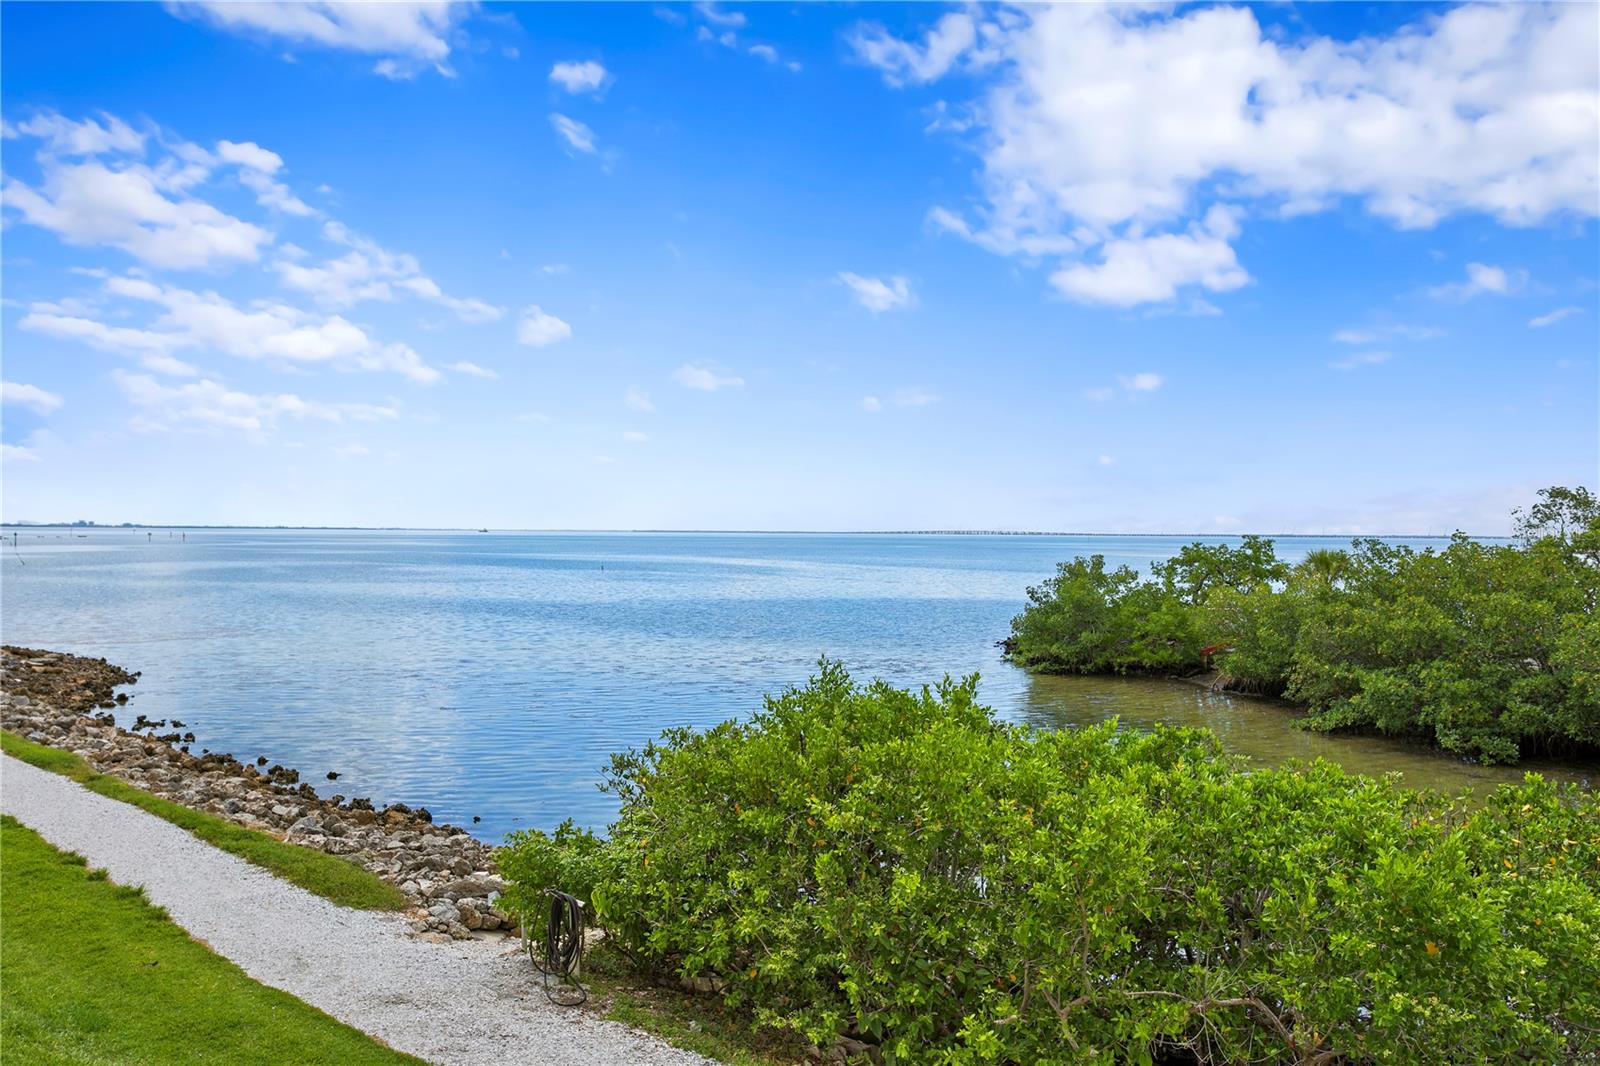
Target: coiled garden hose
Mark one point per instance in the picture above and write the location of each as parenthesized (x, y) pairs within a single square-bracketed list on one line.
[(559, 954)]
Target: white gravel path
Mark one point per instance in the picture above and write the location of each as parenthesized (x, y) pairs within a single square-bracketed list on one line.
[(470, 1002)]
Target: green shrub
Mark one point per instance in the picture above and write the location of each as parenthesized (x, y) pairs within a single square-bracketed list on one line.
[(1490, 651), (1478, 648), (571, 859), (900, 868)]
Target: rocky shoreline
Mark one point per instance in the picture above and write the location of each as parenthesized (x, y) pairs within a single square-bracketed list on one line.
[(448, 877)]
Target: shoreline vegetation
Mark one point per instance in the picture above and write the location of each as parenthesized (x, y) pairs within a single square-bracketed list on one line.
[(898, 876), (1486, 651)]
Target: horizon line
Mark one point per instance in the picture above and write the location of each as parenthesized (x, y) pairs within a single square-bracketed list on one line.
[(19, 525)]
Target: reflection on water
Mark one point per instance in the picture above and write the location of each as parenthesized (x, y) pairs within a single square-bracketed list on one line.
[(1264, 731), (492, 674)]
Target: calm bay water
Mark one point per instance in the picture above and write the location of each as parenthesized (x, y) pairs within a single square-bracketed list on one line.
[(489, 675)]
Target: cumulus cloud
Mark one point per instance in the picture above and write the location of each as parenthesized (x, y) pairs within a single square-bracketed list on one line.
[(210, 403), (1140, 270), (637, 399), (717, 16), (208, 322), (473, 370), (100, 186), (575, 133), (371, 272), (871, 404), (879, 294), (84, 137), (1553, 317), (910, 62), (409, 35), (721, 28), (1481, 278), (633, 436), (585, 77), (143, 210), (30, 396), (1106, 130), (705, 378), (251, 155), (274, 194), (538, 328)]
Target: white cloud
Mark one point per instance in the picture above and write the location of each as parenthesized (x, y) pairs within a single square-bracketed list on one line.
[(65, 137), (1553, 317), (575, 133), (1105, 129), (1360, 359), (274, 194), (31, 396), (150, 348), (1142, 382), (473, 370), (1481, 278), (12, 453), (1141, 270), (371, 272), (1129, 385), (554, 268), (409, 34), (880, 294), (727, 22), (210, 403), (904, 62), (914, 396), (715, 15), (871, 403), (585, 77), (266, 331), (1106, 460), (1375, 334), (637, 399), (537, 328), (141, 209), (147, 208), (704, 378), (531, 416), (250, 155), (352, 451), (633, 436)]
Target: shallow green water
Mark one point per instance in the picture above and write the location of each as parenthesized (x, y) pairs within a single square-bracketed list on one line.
[(1264, 731)]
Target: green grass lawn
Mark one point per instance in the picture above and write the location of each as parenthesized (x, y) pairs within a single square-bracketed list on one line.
[(329, 876), (90, 972)]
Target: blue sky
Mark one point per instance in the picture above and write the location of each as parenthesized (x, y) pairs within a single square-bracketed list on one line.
[(1321, 269)]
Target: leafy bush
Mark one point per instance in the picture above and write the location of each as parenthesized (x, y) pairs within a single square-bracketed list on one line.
[(863, 863), (1490, 651)]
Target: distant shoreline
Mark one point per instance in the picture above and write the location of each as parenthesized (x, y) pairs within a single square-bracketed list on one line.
[(19, 526)]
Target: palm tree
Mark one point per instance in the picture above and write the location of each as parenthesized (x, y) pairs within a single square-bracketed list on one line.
[(1325, 567)]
